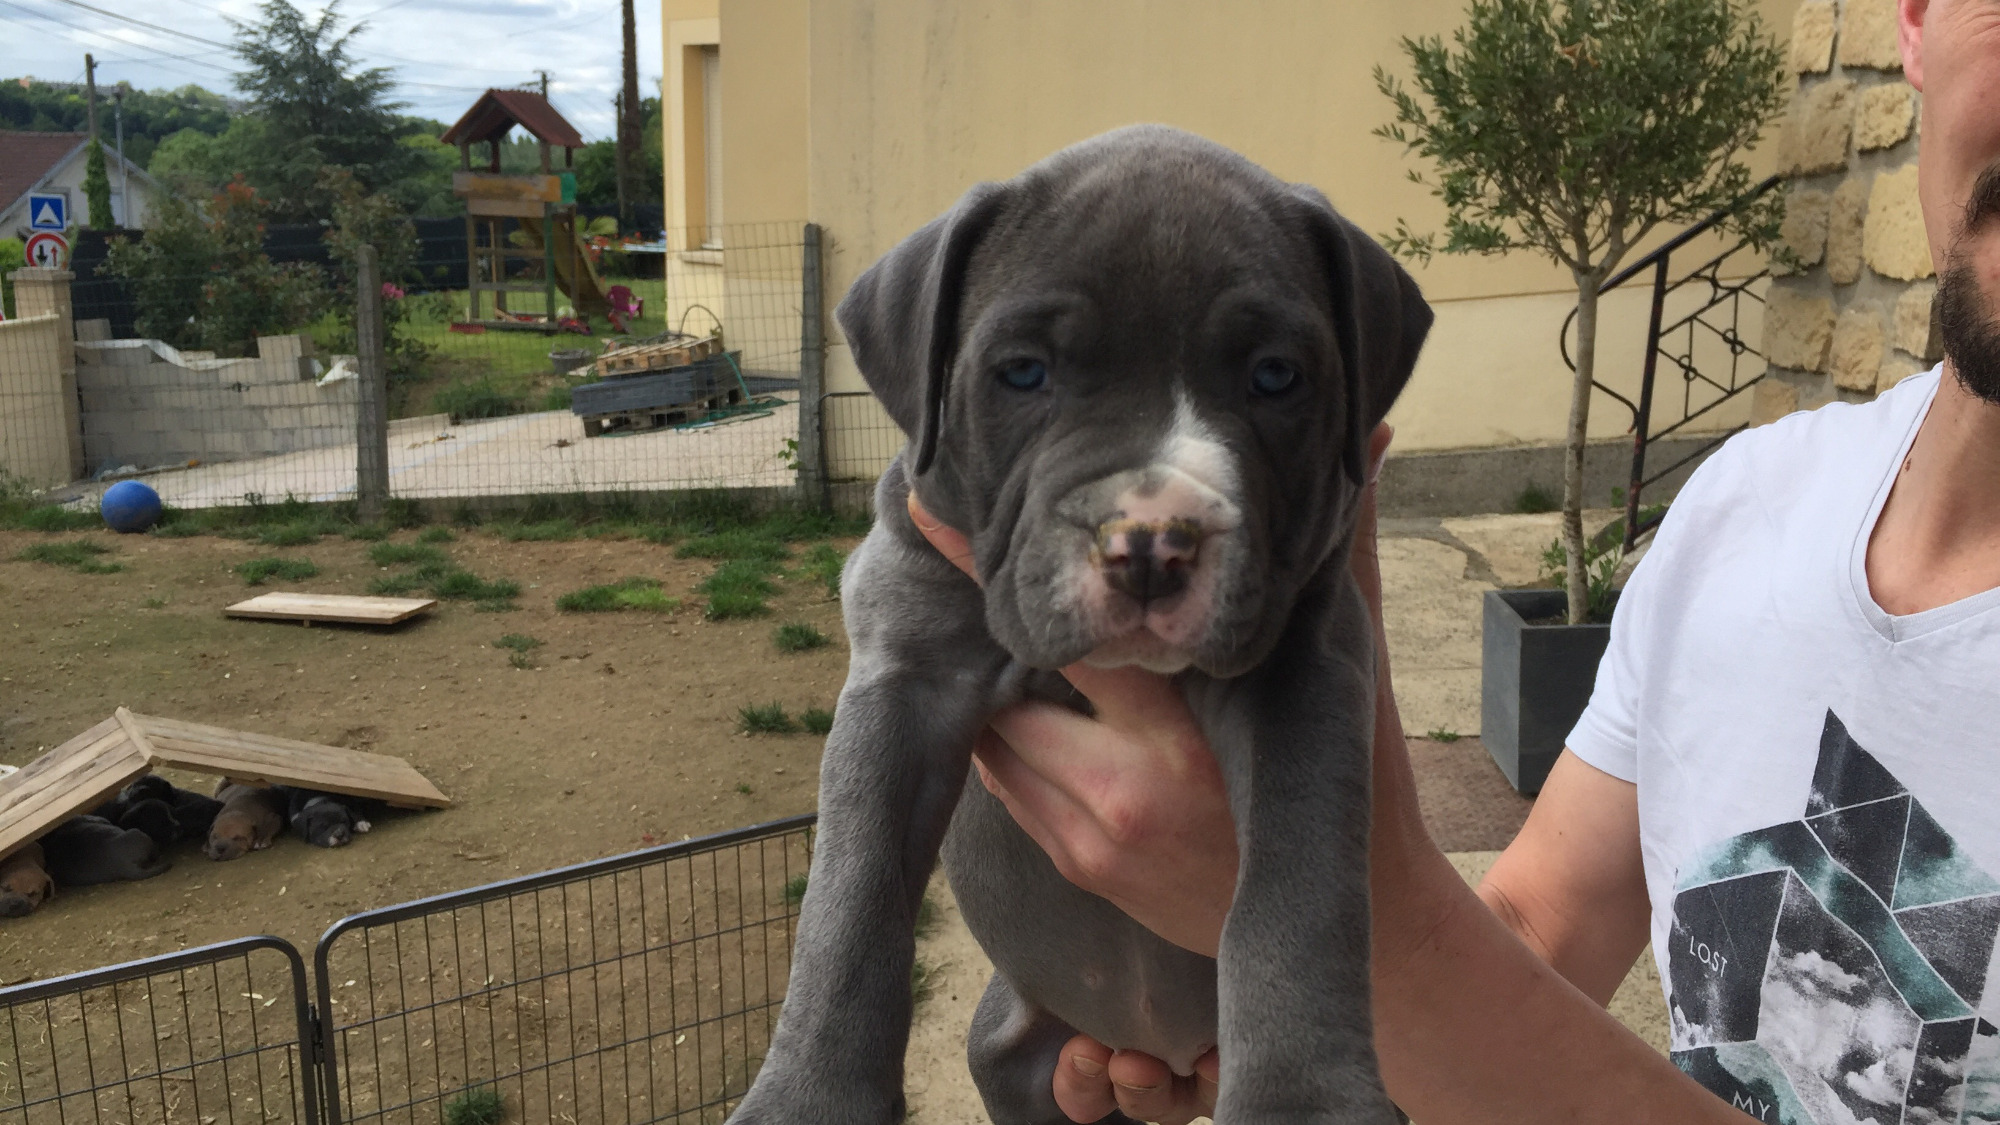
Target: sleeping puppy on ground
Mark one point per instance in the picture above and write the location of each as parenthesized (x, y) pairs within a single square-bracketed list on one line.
[(90, 849), (193, 812), (323, 820), (1140, 377), (251, 817), (24, 882)]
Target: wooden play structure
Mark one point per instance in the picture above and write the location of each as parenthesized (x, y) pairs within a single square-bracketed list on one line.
[(91, 768), (541, 207)]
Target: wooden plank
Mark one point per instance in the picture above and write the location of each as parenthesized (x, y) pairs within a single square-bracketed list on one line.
[(347, 608), (272, 760), (656, 357), (505, 208), (487, 186), (72, 778)]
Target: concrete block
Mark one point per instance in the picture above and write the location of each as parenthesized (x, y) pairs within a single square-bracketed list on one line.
[(1845, 222), (1868, 35), (1893, 238), (1856, 353), (1817, 128), (1916, 324), (1797, 329), (1884, 117), (1804, 230), (284, 347), (94, 330)]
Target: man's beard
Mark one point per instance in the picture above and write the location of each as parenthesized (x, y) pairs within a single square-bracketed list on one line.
[(1967, 324)]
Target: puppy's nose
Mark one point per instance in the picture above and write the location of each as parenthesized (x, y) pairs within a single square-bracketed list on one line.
[(1147, 559)]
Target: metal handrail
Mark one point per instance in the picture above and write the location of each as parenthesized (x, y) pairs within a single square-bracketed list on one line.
[(1659, 261)]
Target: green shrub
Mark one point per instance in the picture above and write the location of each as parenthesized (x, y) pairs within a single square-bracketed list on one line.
[(463, 585), (796, 636), (255, 571), (79, 555), (369, 532), (436, 535), (629, 593), (395, 585), (816, 720), (738, 589), (736, 543), (406, 554), (476, 399), (296, 533), (481, 1105), (767, 719), (1535, 499)]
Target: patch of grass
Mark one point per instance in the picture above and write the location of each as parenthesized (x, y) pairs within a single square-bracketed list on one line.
[(395, 585), (297, 533), (1443, 735), (481, 1105), (795, 890), (478, 398), (769, 718), (923, 982), (743, 787), (79, 555), (22, 516), (255, 571), (823, 563), (155, 603), (797, 636), (1535, 499), (465, 586), (368, 532), (519, 642), (436, 535), (406, 554), (736, 543), (927, 916), (628, 593), (816, 720), (545, 531), (738, 588)]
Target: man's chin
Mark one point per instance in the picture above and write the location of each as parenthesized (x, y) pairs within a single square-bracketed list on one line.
[(1969, 328)]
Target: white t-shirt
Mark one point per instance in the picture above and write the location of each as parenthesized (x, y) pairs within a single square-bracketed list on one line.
[(1819, 786)]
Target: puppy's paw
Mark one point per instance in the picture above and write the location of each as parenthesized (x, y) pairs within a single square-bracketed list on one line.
[(260, 845), (362, 826)]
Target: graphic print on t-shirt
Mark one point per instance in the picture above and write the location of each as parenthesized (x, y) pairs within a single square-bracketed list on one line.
[(1839, 968)]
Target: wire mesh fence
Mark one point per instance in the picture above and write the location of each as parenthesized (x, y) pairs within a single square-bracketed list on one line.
[(642, 987), (223, 392), (210, 1035)]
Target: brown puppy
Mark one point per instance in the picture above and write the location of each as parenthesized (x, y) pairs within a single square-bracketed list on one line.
[(24, 883), (251, 817)]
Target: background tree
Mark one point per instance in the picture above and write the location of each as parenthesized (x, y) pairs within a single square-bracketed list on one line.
[(97, 189), (1576, 129), (150, 115), (313, 108)]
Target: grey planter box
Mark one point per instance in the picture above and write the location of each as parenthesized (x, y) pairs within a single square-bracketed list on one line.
[(1535, 681)]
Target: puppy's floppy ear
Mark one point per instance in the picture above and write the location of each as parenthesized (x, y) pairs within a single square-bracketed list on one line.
[(901, 316), (1380, 316)]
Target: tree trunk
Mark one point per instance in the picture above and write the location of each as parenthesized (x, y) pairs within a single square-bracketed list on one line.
[(1576, 569)]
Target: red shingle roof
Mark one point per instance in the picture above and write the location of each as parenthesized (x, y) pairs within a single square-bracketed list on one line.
[(497, 111), (26, 157)]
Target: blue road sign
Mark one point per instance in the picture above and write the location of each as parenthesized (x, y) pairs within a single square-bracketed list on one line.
[(48, 212)]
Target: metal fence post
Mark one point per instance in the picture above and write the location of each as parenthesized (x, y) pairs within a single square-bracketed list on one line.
[(371, 429), (812, 376)]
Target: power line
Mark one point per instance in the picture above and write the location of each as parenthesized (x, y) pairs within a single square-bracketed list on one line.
[(144, 24), (121, 44)]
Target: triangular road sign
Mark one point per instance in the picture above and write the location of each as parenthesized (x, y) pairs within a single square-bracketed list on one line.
[(45, 217)]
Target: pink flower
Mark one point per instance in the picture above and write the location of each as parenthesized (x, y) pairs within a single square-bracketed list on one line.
[(391, 291)]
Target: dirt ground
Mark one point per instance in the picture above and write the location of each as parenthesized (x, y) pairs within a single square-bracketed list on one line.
[(623, 735)]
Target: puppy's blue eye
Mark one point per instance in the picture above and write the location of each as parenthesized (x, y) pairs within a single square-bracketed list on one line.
[(1273, 377), (1025, 374)]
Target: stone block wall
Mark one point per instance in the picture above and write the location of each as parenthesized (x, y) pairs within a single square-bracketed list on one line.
[(146, 404), (1854, 315)]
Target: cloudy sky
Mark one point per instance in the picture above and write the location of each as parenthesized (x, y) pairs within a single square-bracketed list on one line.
[(442, 52)]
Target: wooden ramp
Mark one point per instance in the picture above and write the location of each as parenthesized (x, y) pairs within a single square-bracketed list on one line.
[(348, 609), (92, 767)]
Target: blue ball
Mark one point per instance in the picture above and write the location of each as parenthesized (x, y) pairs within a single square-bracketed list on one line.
[(130, 506)]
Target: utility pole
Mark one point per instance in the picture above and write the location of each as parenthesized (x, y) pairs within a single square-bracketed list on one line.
[(545, 84), (90, 93), (118, 93), (629, 124), (618, 172)]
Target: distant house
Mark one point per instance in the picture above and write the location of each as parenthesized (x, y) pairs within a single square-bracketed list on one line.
[(55, 163)]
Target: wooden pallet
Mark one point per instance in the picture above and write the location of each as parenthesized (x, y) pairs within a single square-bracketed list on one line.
[(91, 768), (655, 357), (348, 609)]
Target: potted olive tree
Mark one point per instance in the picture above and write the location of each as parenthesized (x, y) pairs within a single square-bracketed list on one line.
[(1575, 129)]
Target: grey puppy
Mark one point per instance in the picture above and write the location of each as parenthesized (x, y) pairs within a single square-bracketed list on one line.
[(1141, 377)]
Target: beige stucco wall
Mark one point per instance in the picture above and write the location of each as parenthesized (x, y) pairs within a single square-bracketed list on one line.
[(764, 103), (685, 27), (912, 101), (36, 445)]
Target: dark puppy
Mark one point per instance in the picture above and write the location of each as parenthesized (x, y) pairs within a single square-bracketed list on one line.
[(193, 812), (90, 849), (24, 882), (251, 817), (324, 820)]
